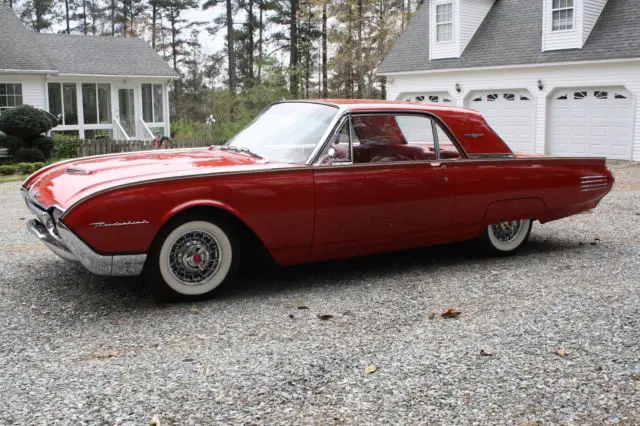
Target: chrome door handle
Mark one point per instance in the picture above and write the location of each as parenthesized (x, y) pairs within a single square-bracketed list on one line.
[(438, 165)]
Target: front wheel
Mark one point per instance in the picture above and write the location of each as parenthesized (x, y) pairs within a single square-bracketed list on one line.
[(506, 237), (192, 259)]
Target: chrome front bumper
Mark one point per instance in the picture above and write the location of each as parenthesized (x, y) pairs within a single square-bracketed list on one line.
[(69, 247)]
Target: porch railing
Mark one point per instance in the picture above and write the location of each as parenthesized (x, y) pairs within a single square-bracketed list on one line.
[(118, 132), (143, 130)]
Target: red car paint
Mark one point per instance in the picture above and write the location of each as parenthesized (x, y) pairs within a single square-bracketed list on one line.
[(306, 213)]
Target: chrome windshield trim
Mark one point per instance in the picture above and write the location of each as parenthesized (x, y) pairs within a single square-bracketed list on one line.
[(326, 136)]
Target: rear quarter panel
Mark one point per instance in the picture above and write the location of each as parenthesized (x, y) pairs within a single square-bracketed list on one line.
[(276, 205), (489, 191)]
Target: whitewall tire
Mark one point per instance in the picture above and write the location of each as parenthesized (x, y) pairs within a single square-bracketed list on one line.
[(191, 259), (506, 237)]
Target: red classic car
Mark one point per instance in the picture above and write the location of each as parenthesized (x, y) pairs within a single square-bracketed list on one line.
[(305, 181)]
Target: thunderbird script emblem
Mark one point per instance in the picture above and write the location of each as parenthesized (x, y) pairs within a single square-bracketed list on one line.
[(116, 224)]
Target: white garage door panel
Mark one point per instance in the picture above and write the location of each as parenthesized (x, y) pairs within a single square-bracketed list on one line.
[(510, 113), (591, 122)]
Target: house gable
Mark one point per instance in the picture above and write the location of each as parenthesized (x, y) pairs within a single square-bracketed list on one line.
[(511, 34)]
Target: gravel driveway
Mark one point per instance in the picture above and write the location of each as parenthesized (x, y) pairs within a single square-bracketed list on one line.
[(551, 335)]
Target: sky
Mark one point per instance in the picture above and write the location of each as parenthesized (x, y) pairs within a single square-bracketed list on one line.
[(210, 44)]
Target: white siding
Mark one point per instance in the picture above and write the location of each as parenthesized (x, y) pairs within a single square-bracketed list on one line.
[(592, 11), (32, 88), (557, 40), (472, 13), (625, 74), (441, 50)]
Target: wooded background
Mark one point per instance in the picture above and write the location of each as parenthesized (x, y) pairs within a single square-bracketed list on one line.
[(273, 49)]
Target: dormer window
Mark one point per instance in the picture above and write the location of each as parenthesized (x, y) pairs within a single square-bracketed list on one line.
[(444, 22), (562, 15)]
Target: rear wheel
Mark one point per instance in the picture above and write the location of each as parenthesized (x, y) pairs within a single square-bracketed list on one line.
[(506, 237), (192, 258)]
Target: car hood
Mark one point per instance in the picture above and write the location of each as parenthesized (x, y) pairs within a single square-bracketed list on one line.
[(65, 183)]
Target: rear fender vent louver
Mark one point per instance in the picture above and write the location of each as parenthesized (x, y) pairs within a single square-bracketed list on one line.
[(593, 183)]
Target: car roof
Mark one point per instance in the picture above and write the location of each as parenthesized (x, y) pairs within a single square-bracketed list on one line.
[(384, 105)]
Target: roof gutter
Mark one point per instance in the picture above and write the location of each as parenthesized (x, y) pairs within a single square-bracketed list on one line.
[(503, 67), (12, 71), (173, 77)]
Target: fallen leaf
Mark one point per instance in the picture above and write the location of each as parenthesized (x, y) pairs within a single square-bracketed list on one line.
[(596, 239), (291, 316), (561, 352), (450, 313), (155, 421), (301, 305), (325, 317), (580, 243), (432, 315), (593, 243), (485, 353), (196, 310), (370, 369)]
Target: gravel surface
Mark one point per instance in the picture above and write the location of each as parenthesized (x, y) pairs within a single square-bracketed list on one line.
[(551, 335)]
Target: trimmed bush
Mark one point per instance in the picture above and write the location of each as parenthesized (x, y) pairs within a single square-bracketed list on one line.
[(65, 146), (26, 122), (12, 143), (29, 155), (38, 165), (44, 144), (8, 169)]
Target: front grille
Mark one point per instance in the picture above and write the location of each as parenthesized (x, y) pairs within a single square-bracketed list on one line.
[(593, 183)]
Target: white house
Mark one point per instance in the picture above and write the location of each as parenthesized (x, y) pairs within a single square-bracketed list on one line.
[(96, 85), (555, 77)]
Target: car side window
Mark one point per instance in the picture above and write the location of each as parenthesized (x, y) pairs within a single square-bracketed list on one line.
[(448, 150), (338, 150), (393, 137)]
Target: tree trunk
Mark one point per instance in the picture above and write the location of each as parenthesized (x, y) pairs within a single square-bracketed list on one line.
[(325, 83), (261, 25), (85, 19), (251, 43), (293, 51), (230, 48), (113, 18), (66, 16), (154, 19), (358, 61)]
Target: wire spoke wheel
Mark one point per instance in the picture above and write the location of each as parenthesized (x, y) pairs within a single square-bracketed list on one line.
[(194, 257), (507, 236)]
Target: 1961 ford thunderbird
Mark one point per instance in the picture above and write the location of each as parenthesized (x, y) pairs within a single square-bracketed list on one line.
[(305, 181)]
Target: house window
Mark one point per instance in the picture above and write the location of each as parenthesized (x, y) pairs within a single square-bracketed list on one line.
[(562, 15), (63, 102), (10, 95), (444, 22), (96, 103), (152, 103)]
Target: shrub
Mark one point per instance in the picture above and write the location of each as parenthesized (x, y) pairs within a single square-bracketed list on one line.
[(29, 155), (12, 143), (38, 165), (8, 169), (26, 122), (44, 144), (65, 146)]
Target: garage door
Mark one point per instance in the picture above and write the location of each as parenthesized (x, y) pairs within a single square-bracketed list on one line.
[(428, 98), (591, 122), (510, 113)]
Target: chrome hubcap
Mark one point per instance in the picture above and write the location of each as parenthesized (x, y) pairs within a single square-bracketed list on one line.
[(194, 257), (506, 232)]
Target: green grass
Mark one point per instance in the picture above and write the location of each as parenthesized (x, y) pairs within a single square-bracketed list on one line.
[(12, 178)]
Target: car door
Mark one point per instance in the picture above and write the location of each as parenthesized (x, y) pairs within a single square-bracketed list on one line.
[(376, 182)]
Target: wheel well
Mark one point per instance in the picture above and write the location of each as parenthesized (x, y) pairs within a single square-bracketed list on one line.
[(250, 244)]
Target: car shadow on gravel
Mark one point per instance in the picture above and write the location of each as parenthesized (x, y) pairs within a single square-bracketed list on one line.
[(422, 260), (128, 294)]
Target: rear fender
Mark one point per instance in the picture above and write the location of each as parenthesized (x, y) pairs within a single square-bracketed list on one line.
[(514, 209)]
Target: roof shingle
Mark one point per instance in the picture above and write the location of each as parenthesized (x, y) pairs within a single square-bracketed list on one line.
[(75, 54), (511, 34)]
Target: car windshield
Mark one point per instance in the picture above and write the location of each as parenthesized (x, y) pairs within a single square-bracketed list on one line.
[(286, 132)]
